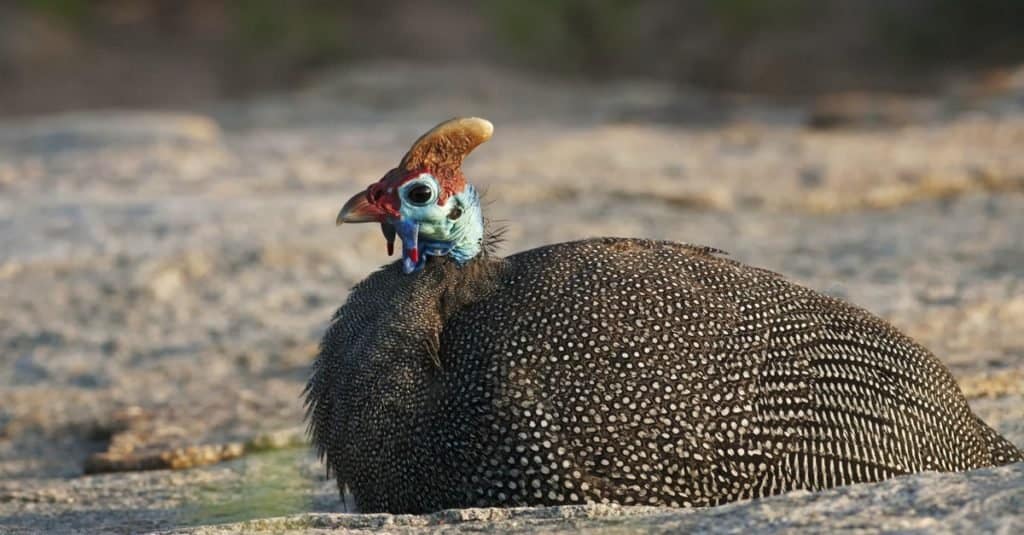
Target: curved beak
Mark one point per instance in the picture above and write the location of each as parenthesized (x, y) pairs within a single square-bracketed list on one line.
[(359, 210)]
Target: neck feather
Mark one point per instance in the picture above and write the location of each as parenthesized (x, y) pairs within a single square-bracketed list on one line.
[(467, 234)]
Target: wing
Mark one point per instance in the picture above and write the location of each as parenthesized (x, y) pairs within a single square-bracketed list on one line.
[(725, 376), (841, 396)]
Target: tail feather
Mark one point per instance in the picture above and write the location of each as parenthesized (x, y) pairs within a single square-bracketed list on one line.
[(1003, 451)]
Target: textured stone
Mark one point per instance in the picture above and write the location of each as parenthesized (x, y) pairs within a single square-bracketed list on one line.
[(919, 224), (983, 501)]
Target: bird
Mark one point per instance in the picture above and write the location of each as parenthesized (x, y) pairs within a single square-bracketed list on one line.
[(605, 370)]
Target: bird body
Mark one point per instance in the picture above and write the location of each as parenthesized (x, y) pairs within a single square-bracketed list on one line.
[(618, 370)]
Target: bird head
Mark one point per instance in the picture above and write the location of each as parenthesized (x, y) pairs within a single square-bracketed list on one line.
[(426, 201)]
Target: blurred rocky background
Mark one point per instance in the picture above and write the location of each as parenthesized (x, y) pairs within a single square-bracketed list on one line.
[(170, 172), (70, 54)]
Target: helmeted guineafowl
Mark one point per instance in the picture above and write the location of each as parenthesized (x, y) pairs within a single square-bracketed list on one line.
[(621, 370)]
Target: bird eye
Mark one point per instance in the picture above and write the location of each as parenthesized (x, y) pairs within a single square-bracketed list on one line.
[(419, 194)]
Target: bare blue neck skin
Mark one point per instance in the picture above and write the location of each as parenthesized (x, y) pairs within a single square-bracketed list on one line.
[(435, 234)]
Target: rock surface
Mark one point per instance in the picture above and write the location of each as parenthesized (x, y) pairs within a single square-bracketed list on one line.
[(982, 501), (166, 278)]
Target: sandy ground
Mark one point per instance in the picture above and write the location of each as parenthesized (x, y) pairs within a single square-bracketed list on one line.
[(166, 276)]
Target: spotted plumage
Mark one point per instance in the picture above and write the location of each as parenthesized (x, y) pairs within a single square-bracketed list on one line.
[(626, 371)]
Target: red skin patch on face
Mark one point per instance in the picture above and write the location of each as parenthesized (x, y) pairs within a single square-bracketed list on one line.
[(384, 192)]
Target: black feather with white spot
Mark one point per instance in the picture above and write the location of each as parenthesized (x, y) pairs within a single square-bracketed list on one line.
[(625, 371)]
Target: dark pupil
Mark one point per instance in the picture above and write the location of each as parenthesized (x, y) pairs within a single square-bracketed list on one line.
[(420, 194)]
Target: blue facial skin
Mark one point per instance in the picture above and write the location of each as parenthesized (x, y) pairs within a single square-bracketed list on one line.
[(409, 233), (427, 230)]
